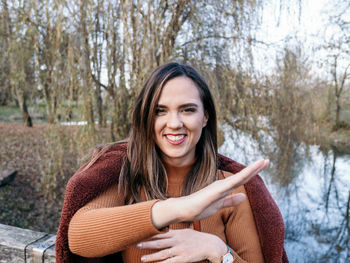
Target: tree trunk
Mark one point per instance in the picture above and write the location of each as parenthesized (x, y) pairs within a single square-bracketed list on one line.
[(337, 111), (97, 65), (22, 101), (114, 118), (5, 67), (99, 105), (50, 108), (85, 69)]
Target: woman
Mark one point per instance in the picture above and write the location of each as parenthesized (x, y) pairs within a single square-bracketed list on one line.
[(165, 200)]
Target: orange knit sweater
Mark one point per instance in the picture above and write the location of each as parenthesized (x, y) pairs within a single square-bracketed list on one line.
[(105, 225)]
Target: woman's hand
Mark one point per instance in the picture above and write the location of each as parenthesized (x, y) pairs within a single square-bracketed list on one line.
[(185, 245), (205, 202)]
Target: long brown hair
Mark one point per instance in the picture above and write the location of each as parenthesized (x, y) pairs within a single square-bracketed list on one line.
[(143, 166)]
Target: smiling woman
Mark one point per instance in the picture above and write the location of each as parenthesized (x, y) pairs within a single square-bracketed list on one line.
[(164, 194), (179, 121)]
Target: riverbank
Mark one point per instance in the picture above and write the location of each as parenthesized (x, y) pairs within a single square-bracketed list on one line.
[(338, 140)]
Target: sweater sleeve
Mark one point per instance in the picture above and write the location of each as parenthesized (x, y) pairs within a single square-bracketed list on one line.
[(105, 225), (241, 232)]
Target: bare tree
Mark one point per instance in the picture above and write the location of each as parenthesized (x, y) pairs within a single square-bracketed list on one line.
[(5, 87), (339, 84), (85, 63), (97, 59), (98, 53), (20, 57), (338, 46)]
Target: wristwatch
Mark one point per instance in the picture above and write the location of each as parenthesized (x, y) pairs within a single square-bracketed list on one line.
[(228, 257)]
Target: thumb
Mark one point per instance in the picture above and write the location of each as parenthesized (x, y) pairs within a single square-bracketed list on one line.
[(233, 200)]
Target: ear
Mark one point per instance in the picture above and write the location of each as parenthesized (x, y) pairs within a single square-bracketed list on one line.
[(205, 120)]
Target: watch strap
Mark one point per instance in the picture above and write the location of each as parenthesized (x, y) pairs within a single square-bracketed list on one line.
[(230, 250)]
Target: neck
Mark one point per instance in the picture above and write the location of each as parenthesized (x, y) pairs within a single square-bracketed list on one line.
[(177, 173), (180, 161)]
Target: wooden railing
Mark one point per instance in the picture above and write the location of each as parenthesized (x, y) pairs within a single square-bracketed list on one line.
[(24, 245)]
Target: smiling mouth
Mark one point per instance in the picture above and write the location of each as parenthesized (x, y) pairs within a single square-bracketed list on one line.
[(175, 139)]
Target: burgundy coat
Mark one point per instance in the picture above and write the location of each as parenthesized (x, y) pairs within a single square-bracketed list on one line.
[(85, 186)]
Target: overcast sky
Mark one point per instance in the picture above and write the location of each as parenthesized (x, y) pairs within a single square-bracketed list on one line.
[(290, 25)]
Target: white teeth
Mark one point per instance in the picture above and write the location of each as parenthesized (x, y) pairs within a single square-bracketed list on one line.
[(175, 137)]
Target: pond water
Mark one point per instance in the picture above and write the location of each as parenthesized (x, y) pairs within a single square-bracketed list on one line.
[(315, 202)]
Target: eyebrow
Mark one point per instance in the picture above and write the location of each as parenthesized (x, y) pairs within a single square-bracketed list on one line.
[(181, 106)]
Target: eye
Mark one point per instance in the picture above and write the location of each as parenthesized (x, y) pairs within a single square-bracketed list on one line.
[(160, 111), (190, 109)]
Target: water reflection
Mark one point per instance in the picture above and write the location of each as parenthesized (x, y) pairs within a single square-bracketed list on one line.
[(314, 200)]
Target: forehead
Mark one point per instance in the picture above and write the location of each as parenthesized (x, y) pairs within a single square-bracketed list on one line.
[(180, 90)]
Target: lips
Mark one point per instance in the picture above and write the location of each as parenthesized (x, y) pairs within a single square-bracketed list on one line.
[(175, 139)]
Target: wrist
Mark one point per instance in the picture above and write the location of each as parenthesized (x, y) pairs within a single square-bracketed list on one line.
[(164, 213), (219, 249)]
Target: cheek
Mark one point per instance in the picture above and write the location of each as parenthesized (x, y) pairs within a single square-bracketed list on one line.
[(196, 125), (158, 125)]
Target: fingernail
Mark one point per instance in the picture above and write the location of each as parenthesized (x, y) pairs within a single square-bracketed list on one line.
[(143, 258), (139, 245)]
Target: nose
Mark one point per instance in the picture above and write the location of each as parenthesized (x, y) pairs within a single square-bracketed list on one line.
[(174, 121)]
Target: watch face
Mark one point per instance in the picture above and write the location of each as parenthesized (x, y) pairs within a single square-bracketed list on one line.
[(228, 258)]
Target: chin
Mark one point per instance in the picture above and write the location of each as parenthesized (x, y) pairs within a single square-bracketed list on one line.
[(178, 158)]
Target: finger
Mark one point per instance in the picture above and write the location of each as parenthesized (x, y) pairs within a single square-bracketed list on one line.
[(226, 186), (155, 244), (167, 234), (247, 173), (160, 255), (254, 168), (233, 200), (240, 178)]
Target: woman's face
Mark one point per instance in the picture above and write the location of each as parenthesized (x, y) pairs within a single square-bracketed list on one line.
[(179, 121)]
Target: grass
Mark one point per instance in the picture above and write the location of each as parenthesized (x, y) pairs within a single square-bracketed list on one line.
[(12, 113), (7, 113)]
